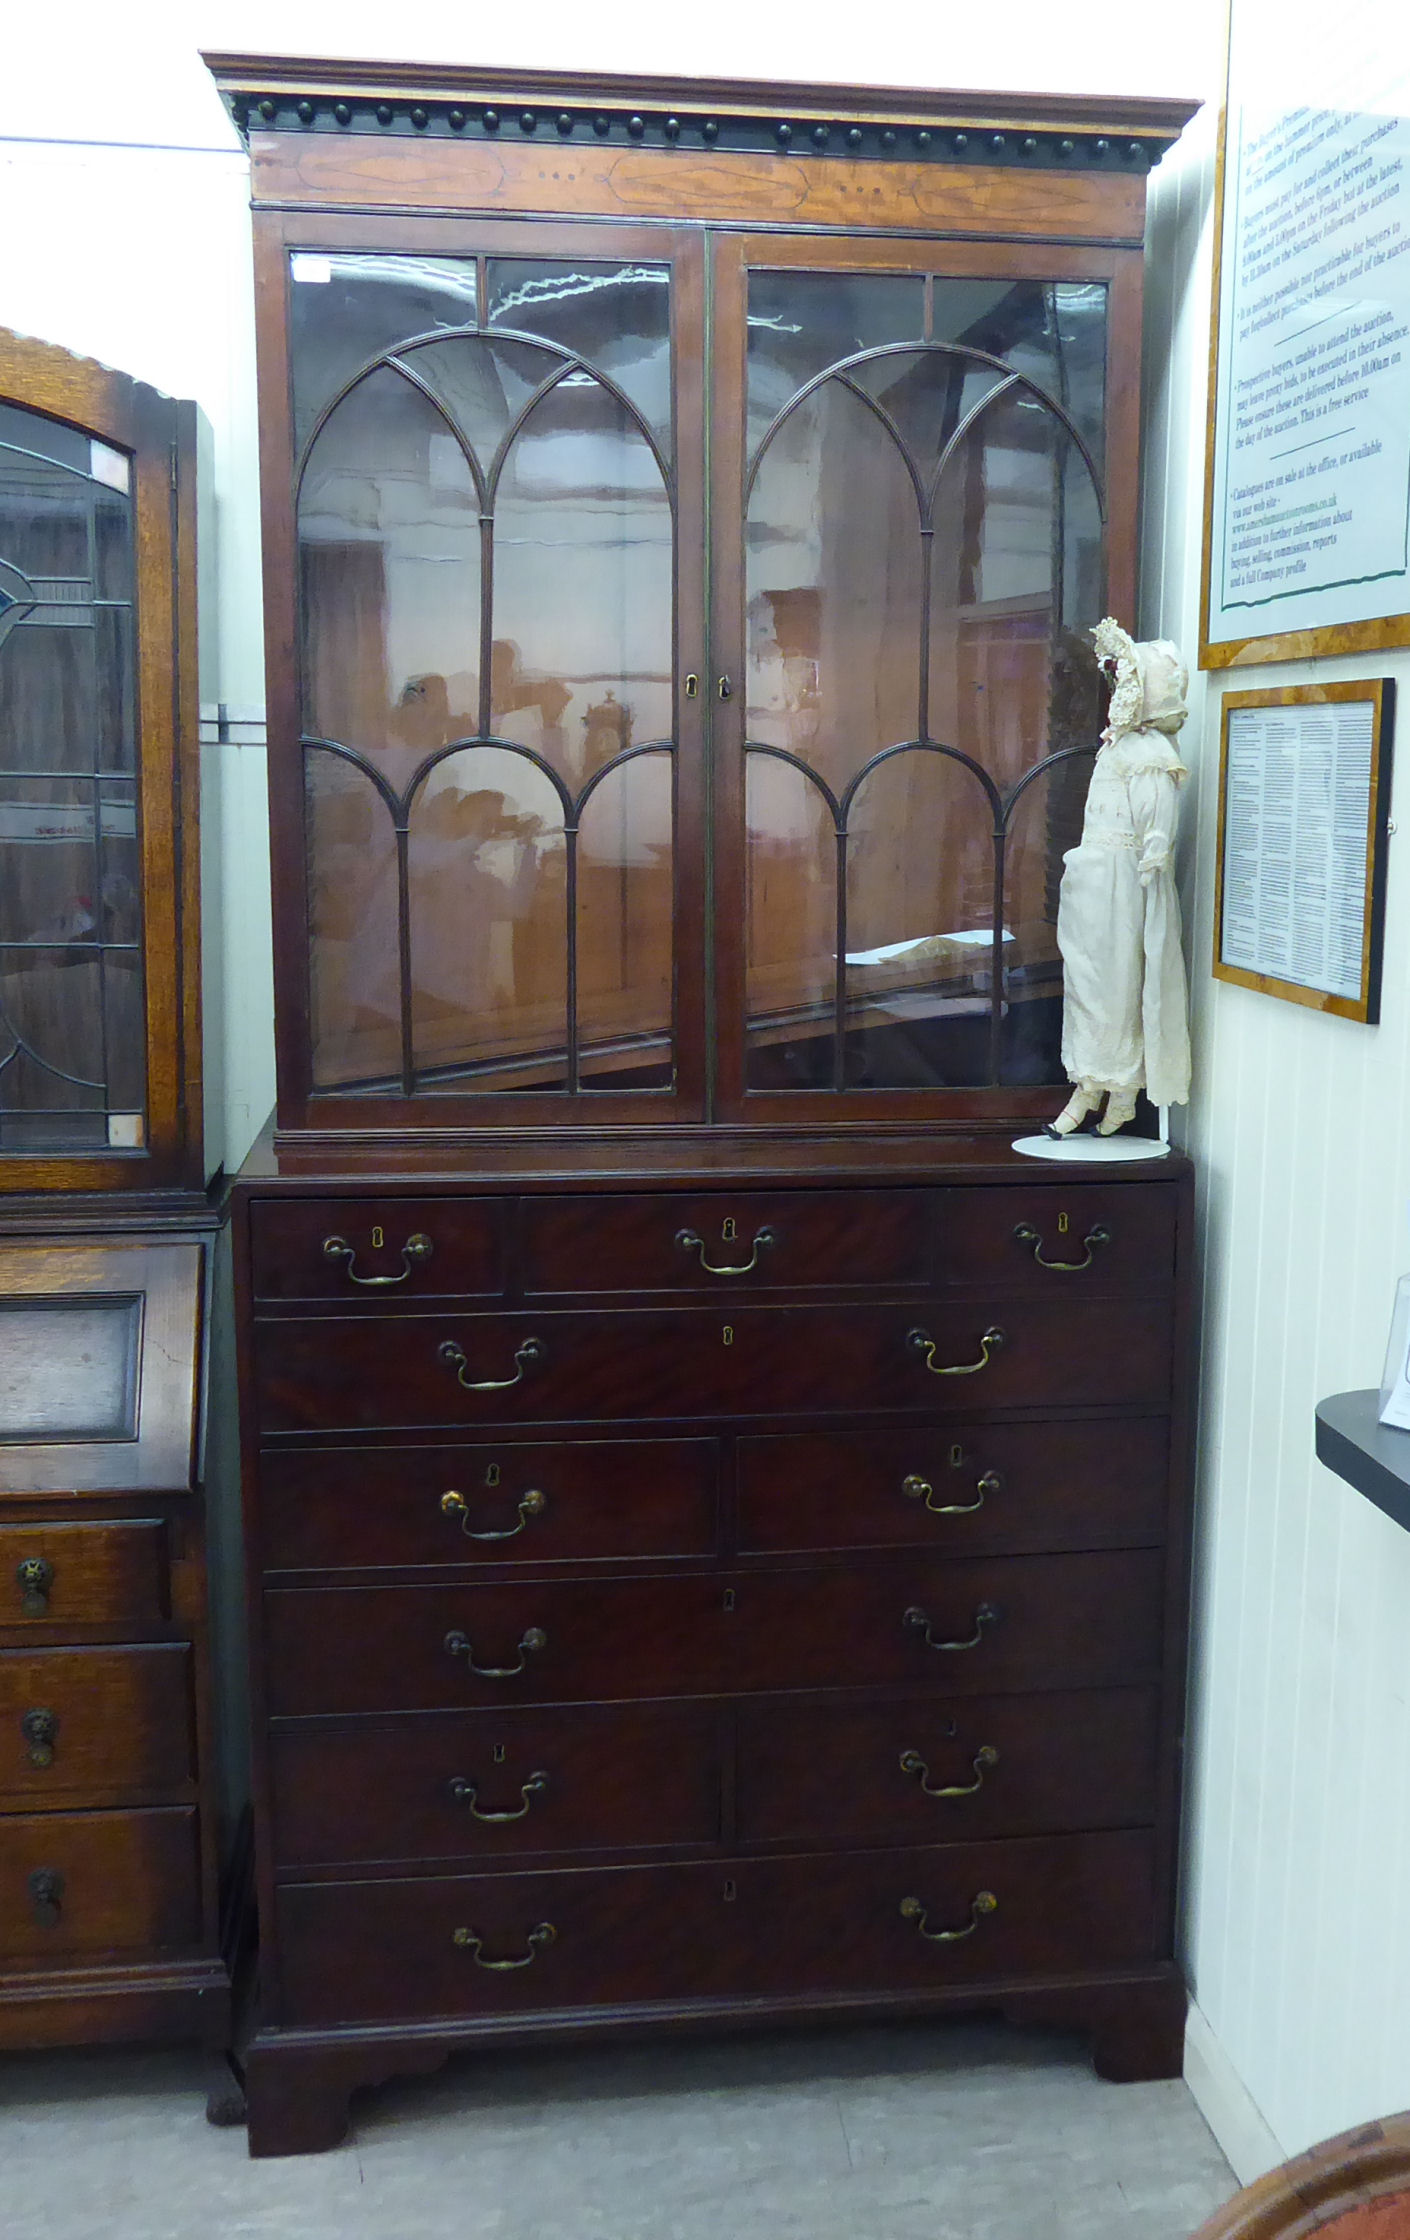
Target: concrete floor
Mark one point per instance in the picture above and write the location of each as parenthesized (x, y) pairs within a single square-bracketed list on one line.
[(966, 2132)]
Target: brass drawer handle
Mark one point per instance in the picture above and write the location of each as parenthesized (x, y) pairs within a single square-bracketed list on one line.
[(763, 1240), (416, 1248), (920, 1489), (913, 1762), (466, 1793), (35, 1575), (46, 1896), (527, 1357), (988, 1614), (531, 1641), (40, 1729), (541, 1936), (532, 1504), (913, 1910), (920, 1341), (1027, 1234)]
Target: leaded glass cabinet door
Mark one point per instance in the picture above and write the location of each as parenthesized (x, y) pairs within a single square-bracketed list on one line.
[(921, 489), (99, 956), (489, 735)]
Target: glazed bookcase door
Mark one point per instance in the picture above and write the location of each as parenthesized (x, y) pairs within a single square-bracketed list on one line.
[(99, 952), (922, 500), (485, 706)]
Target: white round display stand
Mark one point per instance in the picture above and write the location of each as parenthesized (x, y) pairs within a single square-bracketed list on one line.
[(1091, 1150)]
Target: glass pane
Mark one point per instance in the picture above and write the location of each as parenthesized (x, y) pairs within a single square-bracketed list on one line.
[(791, 929), (802, 322), (583, 590), (1055, 332), (346, 310), (927, 395), (354, 984), (833, 581), (390, 558), (920, 916), (72, 1030), (489, 946), (625, 913), (1046, 821), (617, 317)]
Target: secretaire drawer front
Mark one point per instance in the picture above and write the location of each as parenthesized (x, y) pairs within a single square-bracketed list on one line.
[(75, 1883), (750, 1240), (98, 1720), (98, 1574), (1077, 1240), (925, 1769), (379, 1249), (502, 1504), (1016, 1622), (353, 1373), (966, 1489), (915, 1921), (479, 1786)]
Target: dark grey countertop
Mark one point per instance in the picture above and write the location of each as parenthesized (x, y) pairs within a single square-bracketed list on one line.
[(1369, 1455)]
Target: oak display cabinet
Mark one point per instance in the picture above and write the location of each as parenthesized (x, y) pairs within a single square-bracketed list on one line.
[(716, 1516)]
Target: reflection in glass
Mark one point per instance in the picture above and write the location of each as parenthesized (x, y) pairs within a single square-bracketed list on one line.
[(72, 1025), (791, 927), (346, 309), (802, 322), (617, 317), (354, 972), (625, 910)]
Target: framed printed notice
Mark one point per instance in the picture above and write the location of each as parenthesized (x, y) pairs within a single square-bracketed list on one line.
[(1304, 792), (1307, 500)]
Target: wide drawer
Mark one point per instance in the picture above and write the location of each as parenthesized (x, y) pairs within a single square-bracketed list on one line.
[(1016, 1622), (54, 1575), (506, 1503), (89, 1882), (95, 1720), (383, 1249), (486, 1785), (910, 1923), (346, 1373), (755, 1240), (924, 1769), (1096, 1236), (964, 1489)]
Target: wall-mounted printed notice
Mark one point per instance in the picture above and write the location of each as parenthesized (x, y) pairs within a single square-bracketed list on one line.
[(1304, 784), (1307, 532)]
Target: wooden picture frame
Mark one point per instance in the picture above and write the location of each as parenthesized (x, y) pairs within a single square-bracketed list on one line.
[(1364, 1004)]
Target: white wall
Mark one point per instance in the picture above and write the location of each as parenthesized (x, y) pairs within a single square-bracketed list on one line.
[(1298, 1841)]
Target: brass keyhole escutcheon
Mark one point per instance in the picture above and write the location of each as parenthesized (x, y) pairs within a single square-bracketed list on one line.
[(1064, 1224), (492, 1475), (46, 1897), (379, 1238), (727, 1334), (729, 1230)]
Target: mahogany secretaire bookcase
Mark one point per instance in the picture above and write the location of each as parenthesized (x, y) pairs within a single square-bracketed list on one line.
[(715, 1515)]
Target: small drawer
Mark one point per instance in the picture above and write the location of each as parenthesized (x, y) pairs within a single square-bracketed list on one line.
[(1058, 1237), (479, 1786), (74, 1883), (973, 1628), (751, 1240), (967, 1489), (355, 1373), (378, 1249), (98, 1721), (923, 1769), (915, 1923), (502, 1504), (56, 1575)]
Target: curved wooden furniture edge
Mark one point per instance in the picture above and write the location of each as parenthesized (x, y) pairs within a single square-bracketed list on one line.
[(1331, 2179)]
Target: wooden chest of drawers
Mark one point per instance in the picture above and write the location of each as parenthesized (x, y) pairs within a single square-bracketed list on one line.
[(687, 1605)]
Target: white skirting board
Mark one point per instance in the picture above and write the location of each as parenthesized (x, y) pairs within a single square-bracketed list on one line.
[(1224, 2101)]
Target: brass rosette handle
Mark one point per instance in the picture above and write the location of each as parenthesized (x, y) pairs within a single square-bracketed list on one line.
[(764, 1241), (913, 1763), (540, 1937), (40, 1729), (526, 1357), (916, 1488), (531, 1504), (531, 1641), (982, 1903), (34, 1576), (920, 1341), (468, 1793), (918, 1621), (416, 1249), (1096, 1236)]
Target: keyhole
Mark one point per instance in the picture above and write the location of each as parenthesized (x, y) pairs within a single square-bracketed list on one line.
[(728, 1334), (729, 1232), (729, 1598), (497, 1754), (378, 1240), (957, 1458), (492, 1475), (730, 1893), (1063, 1224)]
